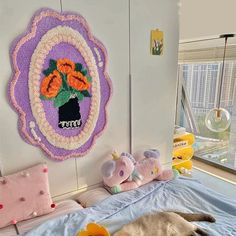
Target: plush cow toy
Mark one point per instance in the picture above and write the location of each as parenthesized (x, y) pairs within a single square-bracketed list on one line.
[(124, 172)]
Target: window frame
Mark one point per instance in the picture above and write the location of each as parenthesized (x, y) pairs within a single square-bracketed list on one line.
[(179, 104)]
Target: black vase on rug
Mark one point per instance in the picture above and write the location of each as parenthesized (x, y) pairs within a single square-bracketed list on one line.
[(69, 115)]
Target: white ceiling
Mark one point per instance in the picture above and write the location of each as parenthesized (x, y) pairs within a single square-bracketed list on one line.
[(206, 18)]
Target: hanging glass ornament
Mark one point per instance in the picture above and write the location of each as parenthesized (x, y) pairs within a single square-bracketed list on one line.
[(218, 119)]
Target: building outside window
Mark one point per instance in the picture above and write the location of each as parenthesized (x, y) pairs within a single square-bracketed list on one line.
[(199, 71)]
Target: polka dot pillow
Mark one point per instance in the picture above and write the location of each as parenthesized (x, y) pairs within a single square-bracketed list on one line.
[(25, 195)]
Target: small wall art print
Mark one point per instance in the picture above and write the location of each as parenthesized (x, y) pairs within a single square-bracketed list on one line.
[(157, 42), (60, 87)]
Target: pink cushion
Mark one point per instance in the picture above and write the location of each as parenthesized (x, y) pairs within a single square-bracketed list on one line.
[(24, 195)]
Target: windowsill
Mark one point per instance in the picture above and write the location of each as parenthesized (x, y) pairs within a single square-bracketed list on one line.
[(216, 164), (225, 175)]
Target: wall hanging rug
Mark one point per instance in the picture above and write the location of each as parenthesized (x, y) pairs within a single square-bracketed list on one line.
[(60, 87)]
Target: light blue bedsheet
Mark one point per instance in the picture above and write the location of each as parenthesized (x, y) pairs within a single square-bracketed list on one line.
[(182, 194)]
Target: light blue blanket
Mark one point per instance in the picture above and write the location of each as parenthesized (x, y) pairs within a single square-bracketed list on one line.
[(182, 194)]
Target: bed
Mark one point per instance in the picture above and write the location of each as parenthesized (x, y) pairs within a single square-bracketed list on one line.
[(182, 194)]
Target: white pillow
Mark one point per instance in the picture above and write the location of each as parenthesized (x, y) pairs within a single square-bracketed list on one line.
[(92, 197), (63, 208)]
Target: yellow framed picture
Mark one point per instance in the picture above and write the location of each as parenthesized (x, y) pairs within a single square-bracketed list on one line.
[(156, 42)]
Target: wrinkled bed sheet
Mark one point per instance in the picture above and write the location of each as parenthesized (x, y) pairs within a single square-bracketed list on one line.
[(182, 194)]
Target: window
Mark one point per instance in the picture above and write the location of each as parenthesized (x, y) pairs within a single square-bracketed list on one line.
[(199, 71)]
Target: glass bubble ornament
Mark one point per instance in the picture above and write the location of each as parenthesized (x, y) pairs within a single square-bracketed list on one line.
[(218, 119)]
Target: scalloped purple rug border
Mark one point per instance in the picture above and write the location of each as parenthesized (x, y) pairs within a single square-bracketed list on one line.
[(22, 50)]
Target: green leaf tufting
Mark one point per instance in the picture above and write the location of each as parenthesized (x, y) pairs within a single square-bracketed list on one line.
[(79, 95), (86, 93), (78, 67), (48, 71), (84, 71), (62, 98), (52, 67), (53, 64), (64, 81), (44, 98), (89, 79)]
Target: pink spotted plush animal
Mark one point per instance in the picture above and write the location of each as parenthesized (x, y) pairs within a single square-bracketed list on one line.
[(124, 172)]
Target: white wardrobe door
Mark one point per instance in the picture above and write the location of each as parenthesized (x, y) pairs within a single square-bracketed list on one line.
[(108, 20), (153, 77), (16, 154)]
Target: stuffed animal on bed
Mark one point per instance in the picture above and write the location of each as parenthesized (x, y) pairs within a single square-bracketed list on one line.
[(125, 173)]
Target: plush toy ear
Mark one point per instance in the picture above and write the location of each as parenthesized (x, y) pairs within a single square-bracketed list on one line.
[(154, 153), (126, 154), (124, 163), (108, 168)]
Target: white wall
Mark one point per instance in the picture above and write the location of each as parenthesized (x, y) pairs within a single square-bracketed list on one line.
[(152, 115), (153, 77), (203, 18)]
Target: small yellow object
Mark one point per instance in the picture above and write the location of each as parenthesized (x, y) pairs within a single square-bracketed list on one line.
[(185, 137), (115, 156), (182, 158), (185, 164), (155, 170), (182, 154), (156, 46), (94, 229)]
